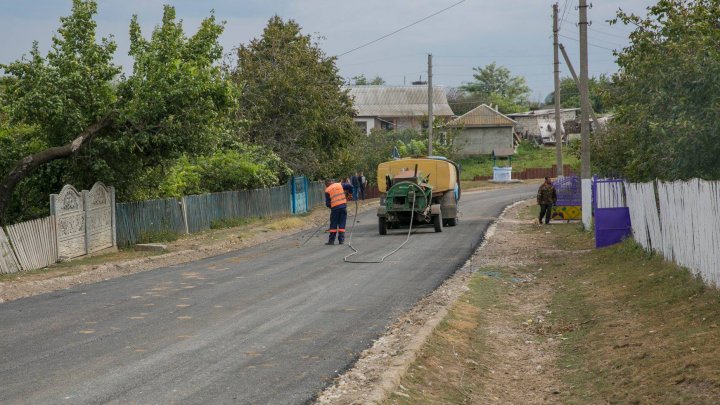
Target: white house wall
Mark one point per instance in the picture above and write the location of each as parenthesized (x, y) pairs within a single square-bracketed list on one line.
[(482, 141)]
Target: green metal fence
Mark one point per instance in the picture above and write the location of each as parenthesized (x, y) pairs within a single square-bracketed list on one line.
[(136, 219), (196, 213)]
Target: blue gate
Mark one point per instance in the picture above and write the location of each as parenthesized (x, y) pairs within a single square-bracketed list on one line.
[(612, 216), (299, 195)]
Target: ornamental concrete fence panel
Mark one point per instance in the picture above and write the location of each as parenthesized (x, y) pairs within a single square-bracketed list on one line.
[(85, 221)]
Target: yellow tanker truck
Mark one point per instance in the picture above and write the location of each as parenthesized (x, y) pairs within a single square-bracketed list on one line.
[(421, 190)]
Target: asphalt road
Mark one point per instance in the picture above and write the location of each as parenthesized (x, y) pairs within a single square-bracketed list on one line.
[(269, 324)]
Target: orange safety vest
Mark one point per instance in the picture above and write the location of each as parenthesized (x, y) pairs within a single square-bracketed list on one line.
[(337, 195)]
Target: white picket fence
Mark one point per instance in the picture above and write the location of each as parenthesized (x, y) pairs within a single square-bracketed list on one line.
[(681, 220)]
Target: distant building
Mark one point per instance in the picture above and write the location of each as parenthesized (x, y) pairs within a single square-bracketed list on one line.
[(397, 107), (540, 124), (482, 130)]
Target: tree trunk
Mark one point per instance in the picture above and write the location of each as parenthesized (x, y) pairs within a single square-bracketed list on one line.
[(25, 166)]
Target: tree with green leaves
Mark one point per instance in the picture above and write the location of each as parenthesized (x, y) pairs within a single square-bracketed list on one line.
[(92, 123), (495, 84), (361, 80), (666, 96), (291, 99), (599, 87)]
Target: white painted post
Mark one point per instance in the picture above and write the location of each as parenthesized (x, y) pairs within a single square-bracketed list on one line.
[(183, 207), (112, 214), (85, 220), (586, 186)]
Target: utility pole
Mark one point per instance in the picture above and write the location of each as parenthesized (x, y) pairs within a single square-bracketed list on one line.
[(558, 118), (571, 68), (585, 120), (430, 106)]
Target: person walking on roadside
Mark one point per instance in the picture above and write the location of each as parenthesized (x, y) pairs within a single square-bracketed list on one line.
[(546, 198), (355, 182), (363, 185), (337, 202)]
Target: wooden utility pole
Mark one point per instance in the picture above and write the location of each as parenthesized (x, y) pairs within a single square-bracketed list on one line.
[(431, 119), (558, 118), (584, 119), (571, 68)]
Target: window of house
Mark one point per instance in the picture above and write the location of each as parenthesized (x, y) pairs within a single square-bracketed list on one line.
[(362, 125)]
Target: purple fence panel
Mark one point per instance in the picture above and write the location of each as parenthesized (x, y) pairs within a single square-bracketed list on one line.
[(612, 225)]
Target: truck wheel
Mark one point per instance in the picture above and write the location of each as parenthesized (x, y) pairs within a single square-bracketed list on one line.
[(438, 222), (451, 221), (382, 225)]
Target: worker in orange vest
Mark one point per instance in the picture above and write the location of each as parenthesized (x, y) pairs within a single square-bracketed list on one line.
[(336, 201)]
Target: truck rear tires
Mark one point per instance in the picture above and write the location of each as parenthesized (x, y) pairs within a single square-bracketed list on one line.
[(438, 222), (382, 225), (451, 221)]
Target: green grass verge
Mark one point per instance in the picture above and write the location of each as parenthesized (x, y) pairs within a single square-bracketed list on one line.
[(528, 156)]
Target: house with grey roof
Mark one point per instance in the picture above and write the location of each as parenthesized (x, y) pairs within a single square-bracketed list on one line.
[(482, 130), (397, 107)]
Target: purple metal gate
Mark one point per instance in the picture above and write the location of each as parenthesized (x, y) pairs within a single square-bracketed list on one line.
[(569, 199), (612, 216)]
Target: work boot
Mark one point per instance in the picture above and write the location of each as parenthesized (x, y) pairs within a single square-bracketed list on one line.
[(330, 242)]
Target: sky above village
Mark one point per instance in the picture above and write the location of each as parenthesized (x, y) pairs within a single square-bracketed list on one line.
[(513, 33)]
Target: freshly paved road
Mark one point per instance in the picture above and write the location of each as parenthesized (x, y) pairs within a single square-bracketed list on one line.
[(269, 324)]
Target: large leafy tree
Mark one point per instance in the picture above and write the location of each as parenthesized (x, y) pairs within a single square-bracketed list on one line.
[(291, 99), (92, 123), (599, 87), (666, 95), (493, 83)]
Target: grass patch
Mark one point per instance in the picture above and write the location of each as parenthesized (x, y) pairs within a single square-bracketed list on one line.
[(527, 156), (162, 236), (451, 364), (650, 329), (628, 326), (286, 223), (231, 223)]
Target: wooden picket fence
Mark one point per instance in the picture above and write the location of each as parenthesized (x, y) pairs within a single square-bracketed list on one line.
[(34, 243), (681, 221), (8, 262)]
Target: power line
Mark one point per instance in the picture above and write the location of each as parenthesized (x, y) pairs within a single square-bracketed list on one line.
[(596, 46), (400, 29)]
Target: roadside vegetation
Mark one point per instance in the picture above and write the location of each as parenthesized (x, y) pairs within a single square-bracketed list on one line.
[(616, 325), (528, 155)]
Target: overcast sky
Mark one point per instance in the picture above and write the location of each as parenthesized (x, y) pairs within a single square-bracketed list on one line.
[(513, 33)]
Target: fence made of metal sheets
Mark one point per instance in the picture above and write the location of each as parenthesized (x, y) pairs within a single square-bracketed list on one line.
[(8, 262), (202, 211), (134, 219), (35, 243), (316, 194)]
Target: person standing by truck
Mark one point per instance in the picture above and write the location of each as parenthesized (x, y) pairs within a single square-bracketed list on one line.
[(546, 198), (355, 181), (337, 202)]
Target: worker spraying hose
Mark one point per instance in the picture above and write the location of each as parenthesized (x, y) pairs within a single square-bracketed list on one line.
[(337, 202)]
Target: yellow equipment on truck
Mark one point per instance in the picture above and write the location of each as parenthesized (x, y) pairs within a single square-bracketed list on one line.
[(424, 189)]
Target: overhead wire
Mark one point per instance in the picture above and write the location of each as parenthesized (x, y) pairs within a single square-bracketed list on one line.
[(401, 29)]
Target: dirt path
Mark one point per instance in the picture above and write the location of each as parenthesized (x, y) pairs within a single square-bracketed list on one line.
[(524, 368)]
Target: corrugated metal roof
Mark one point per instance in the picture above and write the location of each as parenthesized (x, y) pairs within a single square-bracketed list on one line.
[(482, 116), (398, 101)]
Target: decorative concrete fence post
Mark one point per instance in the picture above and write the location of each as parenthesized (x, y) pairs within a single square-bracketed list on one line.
[(69, 211)]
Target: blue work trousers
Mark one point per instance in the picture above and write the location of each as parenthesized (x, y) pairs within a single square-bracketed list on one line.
[(338, 218)]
